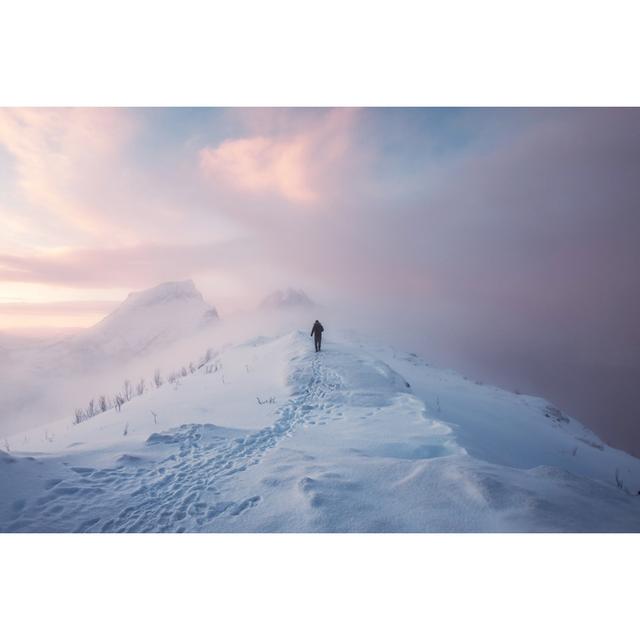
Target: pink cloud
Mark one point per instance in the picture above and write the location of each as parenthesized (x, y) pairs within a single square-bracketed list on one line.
[(262, 164), (294, 166)]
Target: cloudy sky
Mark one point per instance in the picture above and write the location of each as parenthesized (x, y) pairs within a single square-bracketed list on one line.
[(502, 241)]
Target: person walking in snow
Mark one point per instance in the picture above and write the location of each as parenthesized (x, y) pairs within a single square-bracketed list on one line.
[(316, 332)]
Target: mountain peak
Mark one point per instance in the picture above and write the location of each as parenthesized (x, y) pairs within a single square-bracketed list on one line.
[(163, 293), (286, 298), (149, 319)]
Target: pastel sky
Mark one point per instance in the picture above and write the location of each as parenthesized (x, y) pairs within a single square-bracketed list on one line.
[(97, 202), (506, 239)]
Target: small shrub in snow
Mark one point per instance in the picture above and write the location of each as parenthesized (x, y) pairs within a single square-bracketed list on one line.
[(118, 401), (128, 390), (208, 357)]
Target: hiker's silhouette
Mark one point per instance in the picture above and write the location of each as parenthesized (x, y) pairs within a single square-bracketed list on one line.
[(316, 332)]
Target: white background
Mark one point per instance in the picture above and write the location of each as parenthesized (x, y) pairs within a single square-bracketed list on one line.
[(319, 53)]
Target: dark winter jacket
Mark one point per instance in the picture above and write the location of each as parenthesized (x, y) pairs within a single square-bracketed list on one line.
[(317, 328)]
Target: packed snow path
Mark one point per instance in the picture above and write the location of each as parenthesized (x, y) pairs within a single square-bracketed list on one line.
[(352, 449)]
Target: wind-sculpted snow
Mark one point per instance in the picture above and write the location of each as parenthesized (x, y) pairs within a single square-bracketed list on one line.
[(358, 439)]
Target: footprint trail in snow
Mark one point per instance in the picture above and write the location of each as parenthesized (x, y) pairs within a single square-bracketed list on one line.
[(184, 490)]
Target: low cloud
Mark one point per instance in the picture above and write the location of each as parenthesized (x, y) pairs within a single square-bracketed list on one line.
[(134, 266), (63, 308)]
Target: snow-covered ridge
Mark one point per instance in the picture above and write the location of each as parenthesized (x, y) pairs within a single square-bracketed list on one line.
[(272, 437)]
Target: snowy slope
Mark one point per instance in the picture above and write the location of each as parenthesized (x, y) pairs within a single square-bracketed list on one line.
[(270, 436), (146, 320), (45, 379)]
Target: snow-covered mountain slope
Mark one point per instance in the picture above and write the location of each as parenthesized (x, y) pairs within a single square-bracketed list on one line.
[(146, 320), (46, 379), (269, 436)]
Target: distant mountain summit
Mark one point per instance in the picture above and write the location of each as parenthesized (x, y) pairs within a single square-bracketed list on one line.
[(164, 293), (286, 298), (146, 319)]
